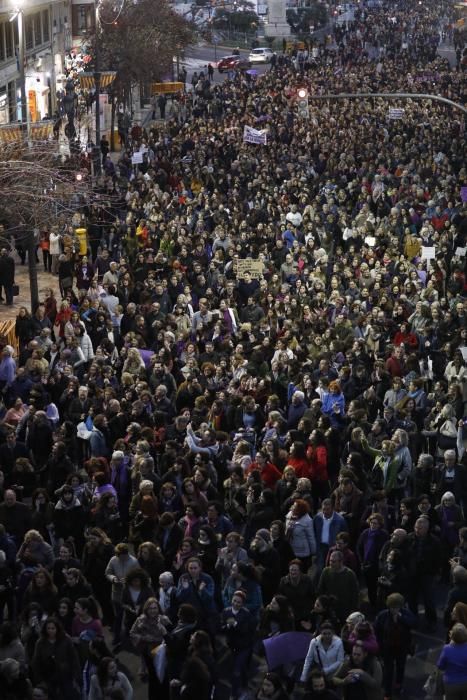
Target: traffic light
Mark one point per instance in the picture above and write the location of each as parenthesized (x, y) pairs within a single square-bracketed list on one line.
[(302, 102)]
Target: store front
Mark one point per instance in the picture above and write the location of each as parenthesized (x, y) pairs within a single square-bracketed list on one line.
[(38, 96), (4, 112)]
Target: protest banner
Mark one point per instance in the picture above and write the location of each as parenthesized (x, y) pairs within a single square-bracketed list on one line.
[(257, 136), (254, 267), (396, 113), (286, 648), (428, 253)]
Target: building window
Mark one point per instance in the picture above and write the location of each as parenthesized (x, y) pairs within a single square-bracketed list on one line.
[(29, 32), (2, 42), (37, 29), (11, 100), (9, 38), (45, 26), (82, 19), (4, 114)]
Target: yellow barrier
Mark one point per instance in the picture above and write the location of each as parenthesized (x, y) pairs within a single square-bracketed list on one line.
[(159, 88), (7, 332)]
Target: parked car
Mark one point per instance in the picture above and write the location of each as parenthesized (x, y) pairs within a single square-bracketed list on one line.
[(232, 63), (261, 55)]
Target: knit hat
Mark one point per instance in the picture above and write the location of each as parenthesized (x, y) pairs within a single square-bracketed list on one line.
[(118, 454), (264, 534)]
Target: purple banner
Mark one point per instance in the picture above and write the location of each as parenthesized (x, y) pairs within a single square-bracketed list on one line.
[(287, 648)]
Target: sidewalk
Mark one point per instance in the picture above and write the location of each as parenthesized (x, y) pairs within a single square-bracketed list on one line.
[(44, 281)]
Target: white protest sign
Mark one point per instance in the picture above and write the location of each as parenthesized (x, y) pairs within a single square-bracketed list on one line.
[(251, 135), (370, 240), (254, 267), (396, 113), (460, 252), (428, 253), (136, 158)]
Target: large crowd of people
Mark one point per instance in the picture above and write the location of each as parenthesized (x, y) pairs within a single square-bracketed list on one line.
[(245, 417)]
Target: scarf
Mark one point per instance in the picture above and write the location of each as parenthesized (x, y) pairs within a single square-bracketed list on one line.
[(190, 523)]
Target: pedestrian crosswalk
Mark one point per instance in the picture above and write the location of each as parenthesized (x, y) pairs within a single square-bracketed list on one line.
[(196, 64)]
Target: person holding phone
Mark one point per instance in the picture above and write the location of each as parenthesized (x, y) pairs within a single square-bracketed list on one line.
[(360, 676)]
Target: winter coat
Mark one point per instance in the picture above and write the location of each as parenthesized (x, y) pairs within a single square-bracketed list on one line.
[(328, 660), (146, 633), (301, 535), (116, 572), (394, 636), (241, 636), (121, 683), (55, 663), (337, 525), (69, 520), (202, 600), (300, 596), (98, 444)]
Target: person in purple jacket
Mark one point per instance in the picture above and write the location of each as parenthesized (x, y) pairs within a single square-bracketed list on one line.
[(453, 663)]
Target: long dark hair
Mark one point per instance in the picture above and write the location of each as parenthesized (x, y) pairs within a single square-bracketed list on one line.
[(58, 625), (103, 670), (200, 643), (284, 614), (89, 605)]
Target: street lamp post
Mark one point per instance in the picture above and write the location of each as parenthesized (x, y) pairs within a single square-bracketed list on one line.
[(97, 84), (22, 72)]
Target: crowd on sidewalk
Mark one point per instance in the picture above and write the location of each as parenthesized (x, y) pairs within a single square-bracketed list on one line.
[(245, 418)]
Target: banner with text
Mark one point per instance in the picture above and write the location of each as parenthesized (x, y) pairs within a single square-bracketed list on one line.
[(251, 135)]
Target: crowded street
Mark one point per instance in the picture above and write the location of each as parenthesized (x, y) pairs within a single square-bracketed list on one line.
[(233, 431)]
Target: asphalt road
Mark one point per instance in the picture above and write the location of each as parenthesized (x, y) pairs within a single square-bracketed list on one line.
[(198, 58)]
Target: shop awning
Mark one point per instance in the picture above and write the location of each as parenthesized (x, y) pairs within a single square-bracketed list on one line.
[(87, 81), (38, 131)]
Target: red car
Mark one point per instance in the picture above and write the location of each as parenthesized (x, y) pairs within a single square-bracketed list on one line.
[(232, 63)]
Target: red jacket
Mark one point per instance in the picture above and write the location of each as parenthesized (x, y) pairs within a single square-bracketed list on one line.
[(301, 466), (270, 475), (394, 367), (318, 457), (409, 339)]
